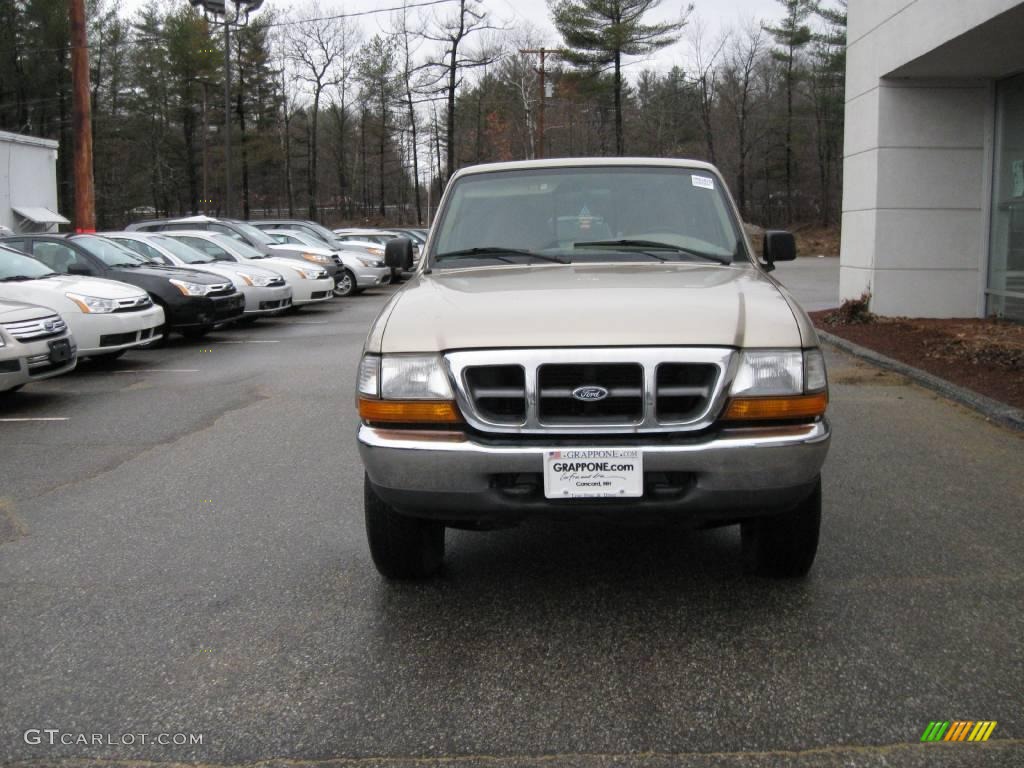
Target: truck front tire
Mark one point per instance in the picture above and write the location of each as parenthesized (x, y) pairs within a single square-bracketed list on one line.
[(784, 546), (402, 547)]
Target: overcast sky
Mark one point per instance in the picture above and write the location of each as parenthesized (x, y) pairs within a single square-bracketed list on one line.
[(717, 15)]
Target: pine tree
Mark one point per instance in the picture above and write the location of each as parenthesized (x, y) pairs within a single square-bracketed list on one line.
[(599, 33)]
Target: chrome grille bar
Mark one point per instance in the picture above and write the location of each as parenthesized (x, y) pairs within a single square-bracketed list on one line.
[(714, 367)]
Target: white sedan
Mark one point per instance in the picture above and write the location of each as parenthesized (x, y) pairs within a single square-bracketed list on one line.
[(266, 292), (35, 344), (106, 317), (359, 270), (310, 284)]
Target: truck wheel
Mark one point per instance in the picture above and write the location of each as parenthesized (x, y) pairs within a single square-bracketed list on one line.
[(783, 546), (402, 547)]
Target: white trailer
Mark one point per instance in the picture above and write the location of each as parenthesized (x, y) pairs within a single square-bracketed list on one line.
[(28, 184)]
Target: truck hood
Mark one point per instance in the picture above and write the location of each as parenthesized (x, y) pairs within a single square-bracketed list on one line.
[(590, 305)]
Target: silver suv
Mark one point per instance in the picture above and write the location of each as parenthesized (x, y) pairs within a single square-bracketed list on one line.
[(592, 337)]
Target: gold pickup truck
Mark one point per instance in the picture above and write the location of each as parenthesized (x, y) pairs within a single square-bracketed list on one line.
[(592, 337)]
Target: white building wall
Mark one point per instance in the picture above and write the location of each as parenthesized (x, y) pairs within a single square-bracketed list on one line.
[(28, 175), (915, 218)]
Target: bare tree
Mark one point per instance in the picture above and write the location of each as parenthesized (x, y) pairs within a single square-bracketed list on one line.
[(408, 36), (706, 57), (742, 59), (451, 31), (315, 45)]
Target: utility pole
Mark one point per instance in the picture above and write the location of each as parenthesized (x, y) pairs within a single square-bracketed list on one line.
[(81, 121), (206, 142), (227, 114), (540, 113)]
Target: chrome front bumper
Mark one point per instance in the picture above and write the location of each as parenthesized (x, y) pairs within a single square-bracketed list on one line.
[(454, 475)]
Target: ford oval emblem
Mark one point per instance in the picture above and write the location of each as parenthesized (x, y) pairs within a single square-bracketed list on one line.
[(590, 394), (50, 326)]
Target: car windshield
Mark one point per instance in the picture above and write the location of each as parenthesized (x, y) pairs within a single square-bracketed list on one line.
[(183, 251), (234, 246), (293, 237), (587, 214), (15, 266), (109, 252), (322, 232), (255, 235)]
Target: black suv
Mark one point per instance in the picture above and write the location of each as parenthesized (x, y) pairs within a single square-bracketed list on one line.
[(193, 302)]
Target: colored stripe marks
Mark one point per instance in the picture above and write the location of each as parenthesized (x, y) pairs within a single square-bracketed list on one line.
[(958, 730)]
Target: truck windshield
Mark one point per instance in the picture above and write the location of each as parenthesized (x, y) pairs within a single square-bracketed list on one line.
[(587, 214)]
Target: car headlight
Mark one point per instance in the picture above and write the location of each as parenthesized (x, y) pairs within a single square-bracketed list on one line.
[(189, 288), (317, 258), (375, 251), (93, 304), (260, 281), (778, 384), (405, 389), (377, 263), (310, 274)]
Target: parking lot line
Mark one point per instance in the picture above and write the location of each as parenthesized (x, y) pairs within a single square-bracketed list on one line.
[(248, 341), (158, 370), (37, 418)]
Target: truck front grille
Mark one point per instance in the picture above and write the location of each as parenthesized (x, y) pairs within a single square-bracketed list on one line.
[(498, 392), (683, 390), (580, 391), (560, 388)]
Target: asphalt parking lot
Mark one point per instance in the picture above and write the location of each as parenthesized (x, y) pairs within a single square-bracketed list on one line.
[(184, 553)]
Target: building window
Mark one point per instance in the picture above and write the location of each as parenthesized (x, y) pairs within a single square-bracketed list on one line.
[(1006, 259)]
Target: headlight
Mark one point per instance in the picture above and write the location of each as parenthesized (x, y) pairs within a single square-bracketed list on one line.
[(92, 304), (316, 257), (405, 389), (778, 385), (413, 377), (368, 381), (190, 288), (375, 251), (769, 372), (260, 281), (377, 263), (310, 274)]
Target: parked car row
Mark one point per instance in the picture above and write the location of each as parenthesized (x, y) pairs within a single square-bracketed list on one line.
[(66, 297)]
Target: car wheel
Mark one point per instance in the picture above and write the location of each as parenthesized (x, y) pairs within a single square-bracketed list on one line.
[(194, 333), (784, 546), (402, 547), (346, 284)]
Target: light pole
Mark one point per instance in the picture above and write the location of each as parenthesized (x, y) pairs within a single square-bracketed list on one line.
[(219, 8)]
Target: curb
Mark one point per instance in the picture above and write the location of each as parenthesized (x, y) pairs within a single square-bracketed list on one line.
[(991, 409)]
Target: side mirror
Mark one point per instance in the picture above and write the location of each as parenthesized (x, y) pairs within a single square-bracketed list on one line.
[(398, 253), (778, 246), (79, 269)]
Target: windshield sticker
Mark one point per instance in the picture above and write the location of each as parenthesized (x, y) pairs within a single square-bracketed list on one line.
[(704, 182), (585, 218)]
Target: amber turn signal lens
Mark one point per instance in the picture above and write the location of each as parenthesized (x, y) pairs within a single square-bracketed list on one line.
[(408, 411), (776, 408)]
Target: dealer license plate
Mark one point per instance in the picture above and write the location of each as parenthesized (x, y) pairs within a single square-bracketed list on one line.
[(589, 473)]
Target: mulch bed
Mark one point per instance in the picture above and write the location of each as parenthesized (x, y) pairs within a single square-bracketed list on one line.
[(986, 356)]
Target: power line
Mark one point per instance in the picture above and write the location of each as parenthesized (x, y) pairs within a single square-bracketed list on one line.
[(128, 41)]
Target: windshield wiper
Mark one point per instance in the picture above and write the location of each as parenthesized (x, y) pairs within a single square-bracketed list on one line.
[(497, 252), (50, 274), (650, 245), (15, 279)]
